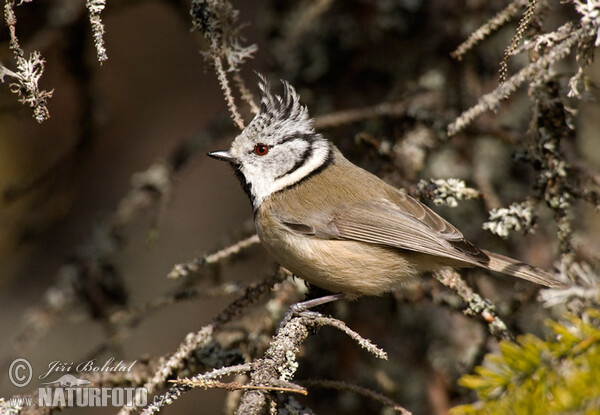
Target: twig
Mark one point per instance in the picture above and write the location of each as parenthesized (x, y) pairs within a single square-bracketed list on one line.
[(217, 373), (349, 116), (177, 390), (496, 22), (245, 92), (129, 320), (217, 21), (481, 176), (29, 71), (195, 340), (224, 82), (321, 320), (523, 23), (183, 270), (96, 250), (279, 363), (303, 18), (475, 303), (491, 100), (234, 386), (95, 7), (345, 386)]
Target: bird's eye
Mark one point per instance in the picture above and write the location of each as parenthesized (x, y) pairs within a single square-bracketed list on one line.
[(261, 149)]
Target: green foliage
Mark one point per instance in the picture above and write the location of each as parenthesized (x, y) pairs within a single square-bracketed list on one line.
[(558, 376)]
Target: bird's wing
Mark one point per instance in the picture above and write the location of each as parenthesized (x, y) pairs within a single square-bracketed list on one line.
[(399, 222)]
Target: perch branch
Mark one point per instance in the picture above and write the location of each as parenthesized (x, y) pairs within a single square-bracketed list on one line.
[(279, 362)]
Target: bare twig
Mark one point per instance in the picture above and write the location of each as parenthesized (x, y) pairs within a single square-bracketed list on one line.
[(481, 176), (340, 325), (224, 82), (345, 386), (496, 22), (129, 320), (335, 119), (234, 386), (217, 373), (523, 23), (177, 390), (90, 270), (217, 21), (245, 92), (491, 100), (182, 270)]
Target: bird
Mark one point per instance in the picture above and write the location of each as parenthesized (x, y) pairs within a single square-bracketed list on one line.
[(336, 225)]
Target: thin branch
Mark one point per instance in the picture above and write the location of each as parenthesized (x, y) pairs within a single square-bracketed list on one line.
[(129, 320), (245, 92), (476, 304), (523, 23), (345, 386), (218, 373), (177, 390), (366, 344), (279, 362), (195, 340), (234, 386), (335, 119), (481, 176), (217, 21), (224, 82), (95, 7), (496, 22), (29, 71), (303, 18), (491, 100), (183, 270)]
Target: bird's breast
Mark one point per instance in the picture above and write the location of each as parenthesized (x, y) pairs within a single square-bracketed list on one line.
[(350, 267)]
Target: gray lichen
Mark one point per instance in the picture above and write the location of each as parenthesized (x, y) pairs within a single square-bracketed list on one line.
[(517, 217)]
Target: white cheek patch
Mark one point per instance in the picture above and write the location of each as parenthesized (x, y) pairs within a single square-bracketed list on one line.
[(319, 157), (263, 187)]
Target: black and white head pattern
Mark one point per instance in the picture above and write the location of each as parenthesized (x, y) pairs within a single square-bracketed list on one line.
[(279, 148)]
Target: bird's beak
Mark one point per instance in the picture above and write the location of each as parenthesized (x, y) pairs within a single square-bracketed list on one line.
[(222, 155)]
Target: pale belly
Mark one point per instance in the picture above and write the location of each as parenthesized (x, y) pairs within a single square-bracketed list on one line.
[(350, 267)]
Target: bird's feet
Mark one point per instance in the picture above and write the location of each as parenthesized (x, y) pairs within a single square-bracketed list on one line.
[(304, 306)]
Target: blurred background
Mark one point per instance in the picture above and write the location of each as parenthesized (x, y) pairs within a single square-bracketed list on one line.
[(156, 102)]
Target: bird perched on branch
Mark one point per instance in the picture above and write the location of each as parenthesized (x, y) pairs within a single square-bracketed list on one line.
[(336, 225)]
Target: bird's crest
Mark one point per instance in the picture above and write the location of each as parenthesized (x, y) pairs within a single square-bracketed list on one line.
[(279, 114)]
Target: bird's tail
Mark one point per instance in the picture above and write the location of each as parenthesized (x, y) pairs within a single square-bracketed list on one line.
[(506, 265)]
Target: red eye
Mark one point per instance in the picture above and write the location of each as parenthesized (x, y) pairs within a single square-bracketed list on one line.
[(261, 149)]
